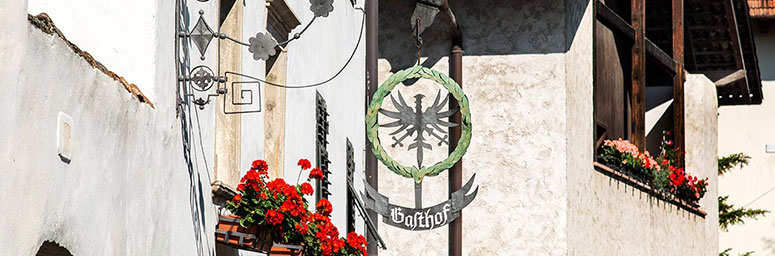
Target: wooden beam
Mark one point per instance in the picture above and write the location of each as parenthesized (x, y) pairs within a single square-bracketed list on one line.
[(679, 131), (613, 21), (638, 21), (734, 35), (665, 61), (730, 78), (610, 19)]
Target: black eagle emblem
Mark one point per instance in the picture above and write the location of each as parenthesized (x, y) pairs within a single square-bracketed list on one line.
[(416, 122)]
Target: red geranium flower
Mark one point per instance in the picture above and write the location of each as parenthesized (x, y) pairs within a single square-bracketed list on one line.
[(324, 207), (237, 198), (302, 228), (274, 217), (316, 174), (259, 165), (304, 163), (307, 189)]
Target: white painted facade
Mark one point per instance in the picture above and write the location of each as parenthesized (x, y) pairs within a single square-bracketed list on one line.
[(527, 71), (128, 189), (748, 129)]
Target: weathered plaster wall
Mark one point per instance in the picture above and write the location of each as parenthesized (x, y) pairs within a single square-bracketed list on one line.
[(579, 129), (127, 189), (748, 129), (608, 217), (514, 73)]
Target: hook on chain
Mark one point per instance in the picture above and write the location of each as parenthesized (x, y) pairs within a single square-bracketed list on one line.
[(418, 38)]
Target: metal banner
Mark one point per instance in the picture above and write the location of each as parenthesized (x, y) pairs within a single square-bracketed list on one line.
[(417, 219)]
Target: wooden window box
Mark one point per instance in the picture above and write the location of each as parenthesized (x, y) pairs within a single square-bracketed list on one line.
[(643, 186), (230, 232)]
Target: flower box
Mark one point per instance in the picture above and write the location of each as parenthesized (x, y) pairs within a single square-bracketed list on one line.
[(275, 211), (230, 232)]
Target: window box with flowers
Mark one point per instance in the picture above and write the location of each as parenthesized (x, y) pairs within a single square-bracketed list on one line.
[(660, 176), (274, 212)]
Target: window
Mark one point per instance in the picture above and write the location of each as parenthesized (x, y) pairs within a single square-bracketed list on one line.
[(350, 199), (638, 71), (321, 114)]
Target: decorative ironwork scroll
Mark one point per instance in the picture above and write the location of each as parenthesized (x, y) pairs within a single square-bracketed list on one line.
[(420, 123), (262, 46)]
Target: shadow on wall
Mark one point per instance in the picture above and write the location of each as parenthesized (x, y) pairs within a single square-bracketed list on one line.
[(769, 246), (489, 27), (196, 193)]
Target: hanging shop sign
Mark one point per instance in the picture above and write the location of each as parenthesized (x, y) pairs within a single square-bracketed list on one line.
[(201, 82), (422, 125)]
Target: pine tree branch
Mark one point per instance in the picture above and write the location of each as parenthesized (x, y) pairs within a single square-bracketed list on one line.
[(728, 162), (728, 215)]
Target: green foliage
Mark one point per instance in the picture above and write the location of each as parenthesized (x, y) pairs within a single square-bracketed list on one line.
[(728, 162), (726, 253), (728, 215)]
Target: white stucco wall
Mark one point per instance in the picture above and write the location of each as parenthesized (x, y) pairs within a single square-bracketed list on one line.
[(612, 218), (320, 52), (118, 33), (127, 189), (529, 81), (747, 129), (514, 73)]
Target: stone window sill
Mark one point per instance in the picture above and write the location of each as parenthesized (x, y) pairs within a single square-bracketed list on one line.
[(623, 177)]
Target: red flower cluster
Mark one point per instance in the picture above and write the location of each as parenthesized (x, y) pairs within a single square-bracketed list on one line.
[(687, 185), (677, 176), (357, 242), (304, 163), (306, 188), (324, 207), (274, 217), (280, 207), (316, 174)]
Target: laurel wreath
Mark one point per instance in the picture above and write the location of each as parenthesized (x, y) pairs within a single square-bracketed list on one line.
[(372, 126)]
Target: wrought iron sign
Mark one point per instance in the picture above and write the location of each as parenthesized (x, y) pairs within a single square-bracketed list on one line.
[(420, 123), (202, 83)]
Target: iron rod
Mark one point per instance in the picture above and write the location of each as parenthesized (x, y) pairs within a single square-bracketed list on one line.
[(372, 50)]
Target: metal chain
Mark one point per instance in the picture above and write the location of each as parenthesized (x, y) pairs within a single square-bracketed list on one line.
[(418, 42)]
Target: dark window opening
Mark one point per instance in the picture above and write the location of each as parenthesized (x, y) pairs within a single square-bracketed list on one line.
[(49, 248)]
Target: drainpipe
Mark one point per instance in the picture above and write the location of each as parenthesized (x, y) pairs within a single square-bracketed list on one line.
[(372, 50), (456, 172)]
